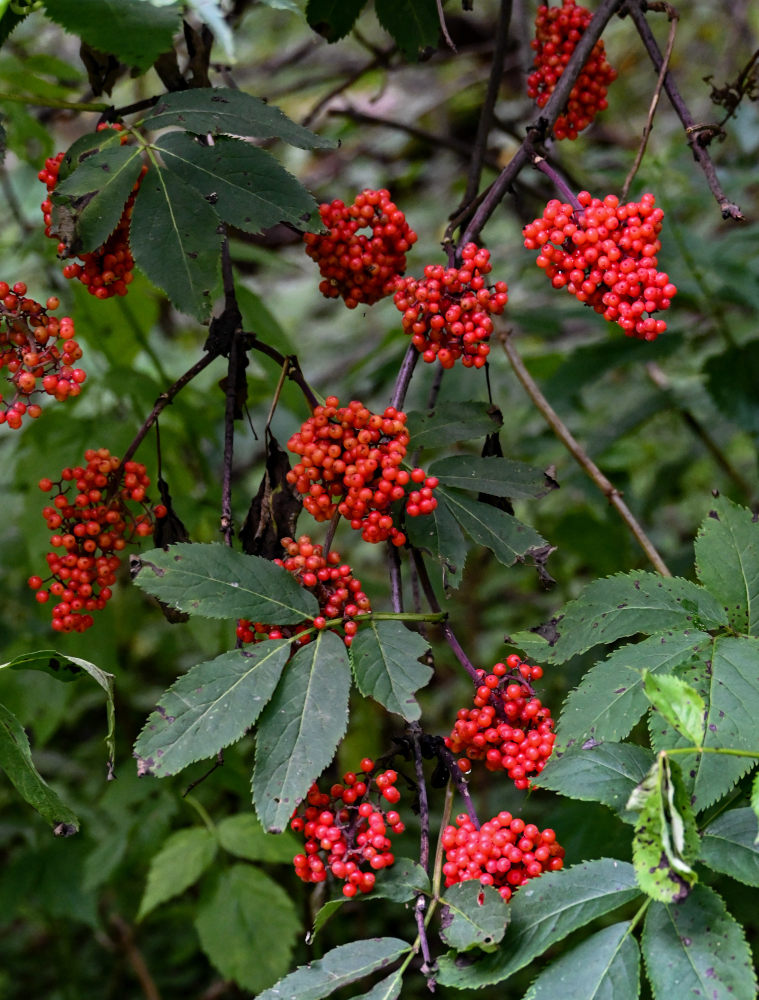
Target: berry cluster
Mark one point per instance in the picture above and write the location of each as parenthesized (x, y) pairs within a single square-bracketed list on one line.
[(89, 529), (38, 351), (107, 271), (509, 728), (505, 852), (447, 312), (339, 593), (605, 255), (346, 834), (557, 32), (358, 267), (350, 459)]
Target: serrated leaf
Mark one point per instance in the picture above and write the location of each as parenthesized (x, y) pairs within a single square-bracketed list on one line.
[(603, 772), (627, 603), (385, 660), (500, 477), (339, 967), (182, 859), (135, 31), (414, 24), (222, 111), (301, 728), (610, 699), (729, 845), (176, 241), (695, 948), (543, 912), (404, 880), (242, 943), (210, 707), (16, 761), (727, 562), (246, 186), (606, 966), (439, 534), (506, 537), (215, 581), (333, 19), (460, 421), (475, 916), (386, 989), (680, 704), (754, 801), (243, 836), (324, 914)]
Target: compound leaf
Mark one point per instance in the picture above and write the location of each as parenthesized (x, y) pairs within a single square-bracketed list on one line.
[(601, 772), (385, 659), (506, 537), (500, 477), (727, 562), (606, 966), (185, 855), (439, 534)]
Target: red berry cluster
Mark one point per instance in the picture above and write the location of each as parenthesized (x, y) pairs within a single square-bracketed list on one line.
[(447, 312), (346, 834), (89, 529), (505, 852), (359, 267), (339, 593), (38, 351), (605, 255), (509, 728), (557, 32), (107, 271), (350, 459)]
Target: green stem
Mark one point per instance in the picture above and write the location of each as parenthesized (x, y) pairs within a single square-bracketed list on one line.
[(723, 750), (53, 103), (202, 812)]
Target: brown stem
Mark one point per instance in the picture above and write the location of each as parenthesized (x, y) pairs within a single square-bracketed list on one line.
[(231, 402), (124, 939), (579, 454), (404, 377), (448, 633)]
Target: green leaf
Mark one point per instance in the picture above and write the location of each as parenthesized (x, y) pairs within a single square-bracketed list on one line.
[(243, 836), (626, 603), (666, 840), (695, 948), (215, 581), (507, 538), (385, 660), (610, 698), (176, 241), (680, 704), (333, 19), (386, 989), (500, 477), (605, 966), (222, 111), (181, 861), (543, 912), (135, 31), (246, 186), (301, 728), (732, 377), (604, 772), (460, 421), (339, 967), (324, 914), (727, 562), (248, 927), (475, 916), (210, 707), (729, 845), (754, 801), (414, 24), (16, 761), (439, 534), (402, 882)]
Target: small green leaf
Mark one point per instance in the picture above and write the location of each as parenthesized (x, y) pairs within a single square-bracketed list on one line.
[(475, 916), (439, 534), (215, 581), (404, 880), (324, 914), (605, 966), (694, 948), (210, 707), (301, 728), (414, 24), (386, 989), (243, 836), (385, 660), (333, 19), (680, 704), (729, 845), (727, 562), (460, 421), (181, 861), (543, 912), (248, 927), (500, 477), (16, 761), (507, 538), (222, 111)]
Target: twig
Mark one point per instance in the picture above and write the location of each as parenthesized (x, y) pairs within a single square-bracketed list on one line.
[(444, 26), (448, 633), (233, 318), (541, 164), (404, 377), (380, 59), (578, 453), (394, 569), (125, 940), (291, 363), (698, 136), (219, 762), (420, 904), (663, 69), (459, 781)]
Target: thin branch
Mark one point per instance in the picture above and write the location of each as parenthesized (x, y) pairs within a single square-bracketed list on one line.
[(579, 454), (404, 377), (444, 26), (380, 59), (541, 164), (233, 318), (294, 372), (125, 940), (394, 570), (698, 135), (459, 780)]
